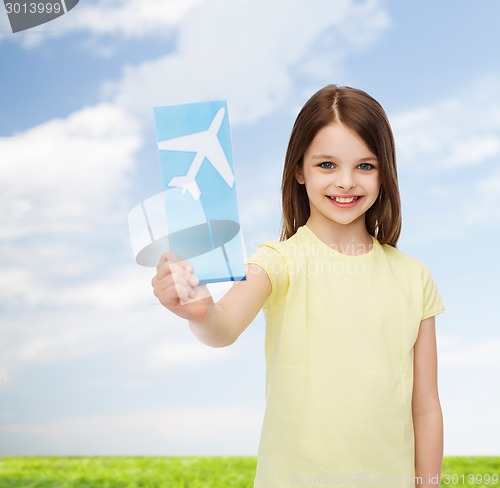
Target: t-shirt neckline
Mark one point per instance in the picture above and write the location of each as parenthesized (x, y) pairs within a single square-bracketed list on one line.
[(370, 253)]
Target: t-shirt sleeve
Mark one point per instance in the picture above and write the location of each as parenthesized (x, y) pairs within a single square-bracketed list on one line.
[(432, 302), (268, 257)]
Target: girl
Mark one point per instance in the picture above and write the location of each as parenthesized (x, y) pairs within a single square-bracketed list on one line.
[(351, 378)]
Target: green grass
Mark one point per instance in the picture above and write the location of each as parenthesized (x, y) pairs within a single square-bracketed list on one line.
[(127, 472), (185, 472), (470, 472)]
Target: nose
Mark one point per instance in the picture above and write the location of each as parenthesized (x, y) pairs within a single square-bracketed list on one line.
[(345, 180)]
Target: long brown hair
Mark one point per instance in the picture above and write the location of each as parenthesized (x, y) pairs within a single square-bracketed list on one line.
[(364, 115)]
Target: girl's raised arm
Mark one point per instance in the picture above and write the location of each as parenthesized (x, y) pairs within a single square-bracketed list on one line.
[(215, 324)]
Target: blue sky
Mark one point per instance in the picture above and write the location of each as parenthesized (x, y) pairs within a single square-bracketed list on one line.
[(89, 364)]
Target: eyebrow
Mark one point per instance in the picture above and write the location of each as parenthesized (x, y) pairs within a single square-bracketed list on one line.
[(330, 157)]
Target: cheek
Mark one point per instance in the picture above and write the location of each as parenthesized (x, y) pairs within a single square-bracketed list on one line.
[(374, 187)]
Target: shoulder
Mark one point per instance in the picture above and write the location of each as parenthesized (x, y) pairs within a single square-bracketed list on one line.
[(410, 270), (276, 259), (415, 277), (267, 253), (403, 261), (277, 250)]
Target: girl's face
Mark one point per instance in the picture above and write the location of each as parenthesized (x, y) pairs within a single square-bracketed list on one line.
[(341, 176)]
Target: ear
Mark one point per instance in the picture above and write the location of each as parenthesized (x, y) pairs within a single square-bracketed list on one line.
[(298, 175)]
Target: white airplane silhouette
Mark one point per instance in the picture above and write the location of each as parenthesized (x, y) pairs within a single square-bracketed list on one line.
[(205, 144)]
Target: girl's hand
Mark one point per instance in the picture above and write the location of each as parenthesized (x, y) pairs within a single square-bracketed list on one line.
[(215, 324), (178, 289)]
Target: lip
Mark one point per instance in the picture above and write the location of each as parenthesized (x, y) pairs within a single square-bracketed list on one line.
[(344, 205)]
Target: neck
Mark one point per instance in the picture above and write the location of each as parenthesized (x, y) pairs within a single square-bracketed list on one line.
[(352, 239)]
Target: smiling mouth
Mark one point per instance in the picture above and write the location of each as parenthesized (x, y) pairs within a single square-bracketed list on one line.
[(342, 199)]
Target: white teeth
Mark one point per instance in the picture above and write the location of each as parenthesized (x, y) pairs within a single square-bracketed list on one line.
[(344, 200)]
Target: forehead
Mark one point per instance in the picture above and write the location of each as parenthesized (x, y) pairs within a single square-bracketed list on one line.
[(338, 140)]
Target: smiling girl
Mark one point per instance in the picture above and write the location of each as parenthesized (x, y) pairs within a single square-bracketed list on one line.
[(351, 378)]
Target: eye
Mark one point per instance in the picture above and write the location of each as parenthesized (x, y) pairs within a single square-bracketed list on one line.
[(326, 165), (366, 166)]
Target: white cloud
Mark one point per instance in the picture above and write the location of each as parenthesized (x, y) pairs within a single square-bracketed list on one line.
[(260, 211), (168, 354), (455, 353), (484, 201), (467, 372), (62, 192), (132, 19), (68, 177), (471, 425), (445, 155), (469, 402), (251, 52), (166, 431), (113, 290), (144, 331), (64, 180), (54, 322), (128, 18), (461, 131), (64, 174)]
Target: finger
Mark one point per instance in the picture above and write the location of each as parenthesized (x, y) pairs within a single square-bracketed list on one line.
[(169, 257), (183, 292), (161, 286), (167, 273), (187, 280), (193, 280), (173, 285), (170, 295), (171, 271), (163, 281), (162, 271), (167, 260), (184, 275), (166, 265), (185, 265), (199, 293), (162, 263)]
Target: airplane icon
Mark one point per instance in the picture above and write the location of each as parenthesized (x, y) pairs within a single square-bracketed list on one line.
[(205, 144)]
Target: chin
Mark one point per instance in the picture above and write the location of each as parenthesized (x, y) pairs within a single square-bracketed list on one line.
[(348, 221)]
